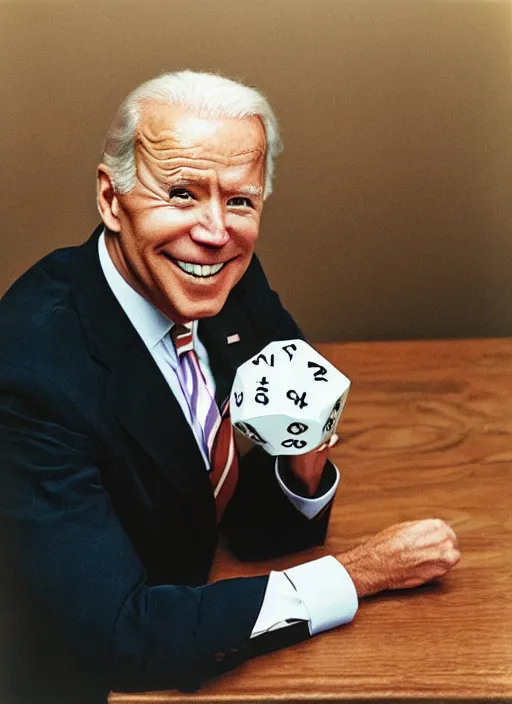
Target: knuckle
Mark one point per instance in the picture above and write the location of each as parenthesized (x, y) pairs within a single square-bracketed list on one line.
[(455, 557), (439, 524), (451, 557), (450, 532), (432, 526), (453, 542)]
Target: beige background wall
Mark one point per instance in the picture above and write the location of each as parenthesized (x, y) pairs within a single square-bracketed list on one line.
[(392, 211)]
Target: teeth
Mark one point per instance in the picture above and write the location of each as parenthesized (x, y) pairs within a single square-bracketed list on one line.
[(198, 269)]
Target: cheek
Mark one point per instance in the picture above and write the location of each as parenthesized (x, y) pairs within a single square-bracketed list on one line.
[(245, 232), (160, 225)]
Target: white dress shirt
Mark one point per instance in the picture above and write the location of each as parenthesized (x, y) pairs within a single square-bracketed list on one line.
[(320, 592)]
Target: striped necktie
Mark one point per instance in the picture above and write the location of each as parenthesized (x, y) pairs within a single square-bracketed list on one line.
[(217, 431)]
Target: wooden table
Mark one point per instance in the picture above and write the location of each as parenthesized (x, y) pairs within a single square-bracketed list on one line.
[(427, 431)]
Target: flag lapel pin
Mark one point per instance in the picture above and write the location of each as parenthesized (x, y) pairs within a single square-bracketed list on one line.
[(231, 339)]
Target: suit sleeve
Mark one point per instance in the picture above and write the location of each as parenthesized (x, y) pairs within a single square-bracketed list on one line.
[(76, 577), (260, 522)]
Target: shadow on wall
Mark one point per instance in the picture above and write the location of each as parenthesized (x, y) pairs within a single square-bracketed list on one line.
[(391, 212)]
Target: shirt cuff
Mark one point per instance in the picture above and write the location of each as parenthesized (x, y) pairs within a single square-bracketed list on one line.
[(320, 592), (308, 507), (327, 591), (281, 606)]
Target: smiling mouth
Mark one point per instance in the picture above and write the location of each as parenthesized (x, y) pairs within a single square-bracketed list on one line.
[(198, 271)]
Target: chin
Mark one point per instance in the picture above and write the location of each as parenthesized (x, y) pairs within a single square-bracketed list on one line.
[(198, 310), (207, 311)]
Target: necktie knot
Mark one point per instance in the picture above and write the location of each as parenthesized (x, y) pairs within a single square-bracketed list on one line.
[(182, 338)]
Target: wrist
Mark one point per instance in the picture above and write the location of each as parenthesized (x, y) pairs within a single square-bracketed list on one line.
[(366, 578), (293, 477), (308, 470)]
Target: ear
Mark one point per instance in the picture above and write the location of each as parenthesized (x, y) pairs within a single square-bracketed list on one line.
[(108, 204)]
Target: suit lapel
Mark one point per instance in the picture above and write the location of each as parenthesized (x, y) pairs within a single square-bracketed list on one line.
[(137, 392), (149, 411)]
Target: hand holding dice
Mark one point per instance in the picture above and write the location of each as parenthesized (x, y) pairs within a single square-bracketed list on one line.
[(288, 399)]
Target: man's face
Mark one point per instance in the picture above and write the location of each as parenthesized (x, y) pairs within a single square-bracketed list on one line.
[(187, 229)]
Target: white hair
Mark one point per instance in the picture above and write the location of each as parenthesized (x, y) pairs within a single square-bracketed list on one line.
[(207, 94)]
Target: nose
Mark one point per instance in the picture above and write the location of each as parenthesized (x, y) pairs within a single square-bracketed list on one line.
[(211, 229)]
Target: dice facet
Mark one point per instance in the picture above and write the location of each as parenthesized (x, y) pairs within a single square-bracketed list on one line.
[(288, 398)]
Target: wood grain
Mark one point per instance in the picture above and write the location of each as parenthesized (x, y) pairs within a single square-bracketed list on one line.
[(427, 431)]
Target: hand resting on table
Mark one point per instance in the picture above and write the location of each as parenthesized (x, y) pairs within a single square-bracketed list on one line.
[(402, 556)]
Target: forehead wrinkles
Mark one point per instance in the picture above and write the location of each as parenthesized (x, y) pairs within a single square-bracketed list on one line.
[(201, 156), (223, 142)]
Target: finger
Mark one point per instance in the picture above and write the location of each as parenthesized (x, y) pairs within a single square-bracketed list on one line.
[(452, 534), (330, 443), (333, 440)]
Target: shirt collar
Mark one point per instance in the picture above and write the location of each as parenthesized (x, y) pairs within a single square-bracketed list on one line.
[(151, 324)]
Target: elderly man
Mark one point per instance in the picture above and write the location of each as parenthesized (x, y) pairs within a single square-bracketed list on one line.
[(118, 467)]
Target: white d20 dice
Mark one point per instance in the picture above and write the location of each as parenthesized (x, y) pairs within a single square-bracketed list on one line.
[(288, 398)]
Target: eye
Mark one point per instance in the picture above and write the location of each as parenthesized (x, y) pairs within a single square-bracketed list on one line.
[(240, 202), (180, 194)]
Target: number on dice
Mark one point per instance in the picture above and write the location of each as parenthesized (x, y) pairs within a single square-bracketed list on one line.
[(288, 398)]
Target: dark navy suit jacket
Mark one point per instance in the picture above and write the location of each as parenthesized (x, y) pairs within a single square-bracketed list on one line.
[(108, 518)]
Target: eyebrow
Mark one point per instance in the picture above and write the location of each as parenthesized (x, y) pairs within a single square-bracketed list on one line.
[(251, 190), (255, 191), (186, 181)]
